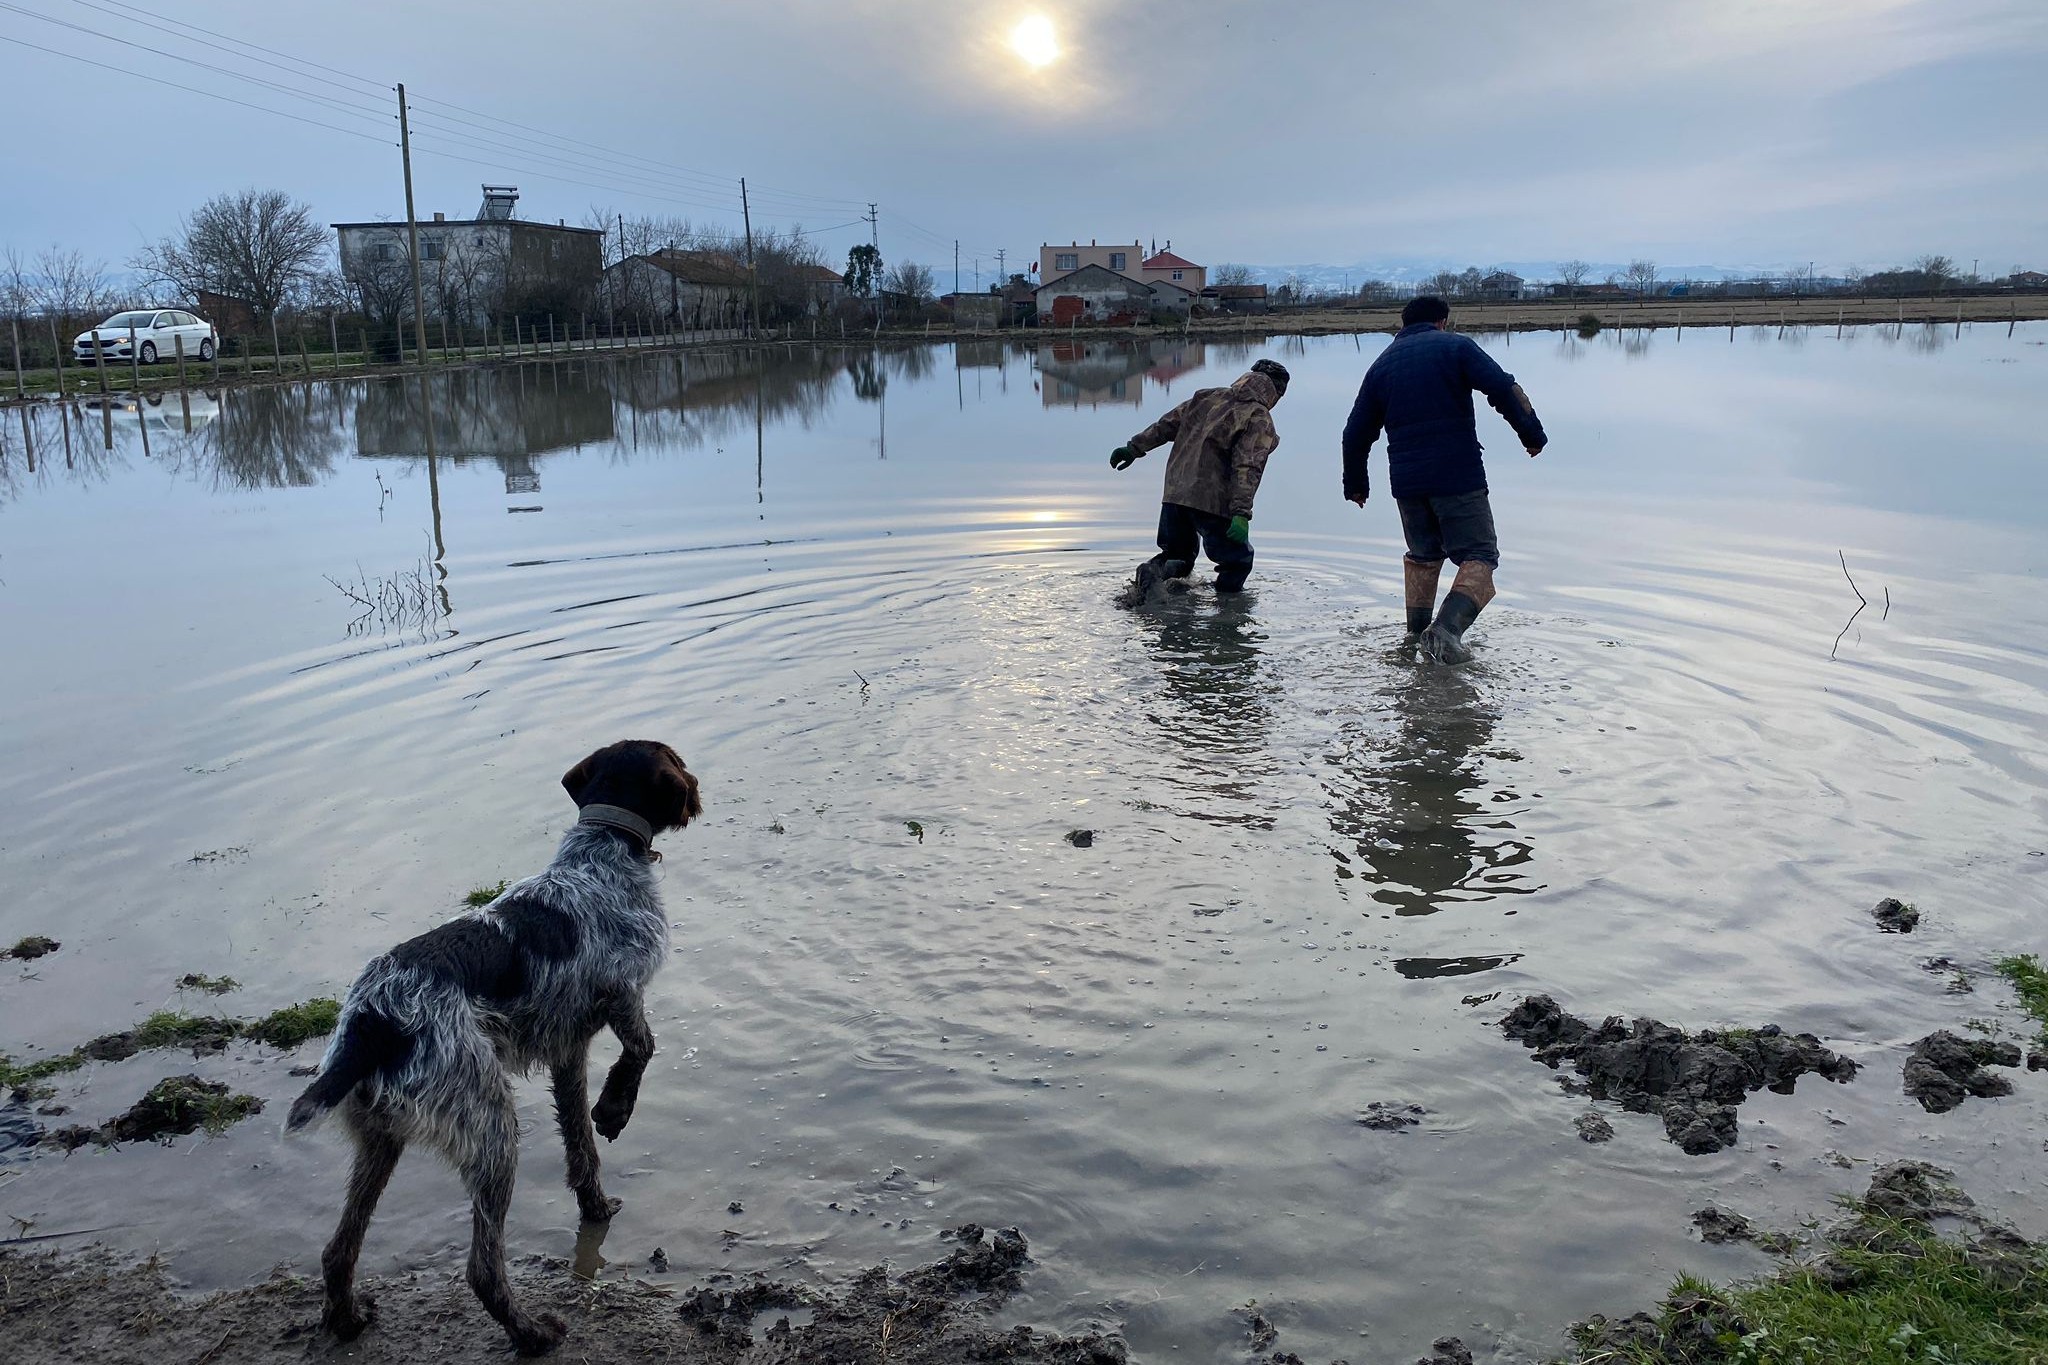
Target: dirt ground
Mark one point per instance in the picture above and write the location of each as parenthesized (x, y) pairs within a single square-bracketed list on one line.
[(99, 1309)]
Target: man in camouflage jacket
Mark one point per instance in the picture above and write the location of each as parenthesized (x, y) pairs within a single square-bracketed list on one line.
[(1221, 439)]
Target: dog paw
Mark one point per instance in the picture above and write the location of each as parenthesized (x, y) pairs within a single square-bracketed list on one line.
[(610, 1119), (598, 1208), (349, 1320), (540, 1335)]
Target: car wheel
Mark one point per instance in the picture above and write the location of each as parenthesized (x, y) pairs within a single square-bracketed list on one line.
[(206, 351), (148, 353)]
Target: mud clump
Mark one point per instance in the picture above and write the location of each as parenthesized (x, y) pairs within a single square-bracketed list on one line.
[(1942, 1070), (1390, 1116), (1694, 1081), (1446, 1351), (1081, 838), (1895, 916), (174, 1107), (1717, 1225), (1594, 1128), (31, 948)]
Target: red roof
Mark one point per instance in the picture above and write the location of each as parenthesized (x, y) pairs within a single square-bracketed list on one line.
[(1166, 260)]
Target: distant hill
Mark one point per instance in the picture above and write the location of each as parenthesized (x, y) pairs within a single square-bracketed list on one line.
[(1414, 271)]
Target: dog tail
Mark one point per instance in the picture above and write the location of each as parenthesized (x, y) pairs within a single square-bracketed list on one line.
[(366, 1044)]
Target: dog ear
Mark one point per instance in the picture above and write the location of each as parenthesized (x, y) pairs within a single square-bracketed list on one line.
[(578, 777), (679, 790)]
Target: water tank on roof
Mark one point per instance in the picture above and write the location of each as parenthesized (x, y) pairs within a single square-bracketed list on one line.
[(498, 202)]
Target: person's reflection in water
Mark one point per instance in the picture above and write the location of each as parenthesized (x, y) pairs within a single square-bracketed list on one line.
[(1212, 705), (1414, 814)]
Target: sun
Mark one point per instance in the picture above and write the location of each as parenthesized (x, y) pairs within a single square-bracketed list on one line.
[(1035, 41)]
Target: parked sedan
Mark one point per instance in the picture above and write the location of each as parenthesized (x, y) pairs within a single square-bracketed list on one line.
[(156, 334)]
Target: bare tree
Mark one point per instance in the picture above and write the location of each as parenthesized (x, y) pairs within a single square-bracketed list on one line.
[(911, 281), (1572, 274), (1231, 273), (1937, 271), (1443, 284), (1640, 277), (254, 245)]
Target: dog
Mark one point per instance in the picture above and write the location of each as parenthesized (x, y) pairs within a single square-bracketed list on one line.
[(431, 1032)]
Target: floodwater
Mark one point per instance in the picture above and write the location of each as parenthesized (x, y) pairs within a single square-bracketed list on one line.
[(871, 594)]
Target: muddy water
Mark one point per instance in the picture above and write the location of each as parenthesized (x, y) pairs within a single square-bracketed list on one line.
[(871, 595)]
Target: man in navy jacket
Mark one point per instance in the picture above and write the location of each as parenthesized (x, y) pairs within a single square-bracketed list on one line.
[(1419, 392)]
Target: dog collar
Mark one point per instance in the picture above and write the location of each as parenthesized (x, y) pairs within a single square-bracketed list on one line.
[(619, 818)]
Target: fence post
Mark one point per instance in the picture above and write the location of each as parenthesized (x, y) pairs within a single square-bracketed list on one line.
[(57, 347), (134, 358), (363, 340), (444, 338), (334, 341), (276, 353), (551, 334), (178, 344), (100, 356), (216, 356), (21, 380)]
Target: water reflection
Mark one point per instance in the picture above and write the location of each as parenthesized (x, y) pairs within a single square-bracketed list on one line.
[(1212, 705), (1415, 813), (1077, 373)]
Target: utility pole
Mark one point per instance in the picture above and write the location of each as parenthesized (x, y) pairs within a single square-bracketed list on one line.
[(874, 218), (956, 265), (753, 275), (1002, 275), (412, 233)]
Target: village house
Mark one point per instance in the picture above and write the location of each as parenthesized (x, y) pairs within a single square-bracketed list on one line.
[(1165, 266), (1092, 294), (473, 270), (689, 289), (1236, 298), (1055, 261), (1101, 283)]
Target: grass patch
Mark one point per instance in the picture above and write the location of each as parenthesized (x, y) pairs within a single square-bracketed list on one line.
[(484, 895), (32, 947), (212, 985), (287, 1027), (2030, 979), (1886, 1292), (294, 1024)]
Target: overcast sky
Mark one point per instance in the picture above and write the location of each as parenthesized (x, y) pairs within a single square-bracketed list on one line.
[(1286, 132)]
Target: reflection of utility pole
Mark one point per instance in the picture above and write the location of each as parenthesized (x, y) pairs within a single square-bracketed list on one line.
[(759, 463), (882, 422), (412, 233), (434, 497)]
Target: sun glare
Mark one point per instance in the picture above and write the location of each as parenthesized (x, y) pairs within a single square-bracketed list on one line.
[(1034, 40)]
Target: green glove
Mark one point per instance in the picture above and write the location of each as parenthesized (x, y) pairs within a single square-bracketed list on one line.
[(1123, 457), (1240, 529)]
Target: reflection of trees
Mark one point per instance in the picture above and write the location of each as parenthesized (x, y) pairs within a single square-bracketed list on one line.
[(1412, 801), (285, 437), (1212, 707), (503, 413)]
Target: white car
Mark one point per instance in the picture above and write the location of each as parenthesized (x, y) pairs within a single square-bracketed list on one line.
[(156, 337)]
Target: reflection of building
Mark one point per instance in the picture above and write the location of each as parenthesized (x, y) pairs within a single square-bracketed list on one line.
[(508, 415), (1088, 373), (1413, 813)]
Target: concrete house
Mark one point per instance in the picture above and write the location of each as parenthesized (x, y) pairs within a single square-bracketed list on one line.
[(473, 270), (693, 289), (1092, 294), (1168, 297), (1165, 266), (1055, 260)]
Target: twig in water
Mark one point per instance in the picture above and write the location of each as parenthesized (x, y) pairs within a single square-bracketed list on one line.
[(1887, 604), (863, 679), (1861, 603)]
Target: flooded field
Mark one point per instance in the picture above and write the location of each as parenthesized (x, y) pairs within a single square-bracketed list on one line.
[(289, 671)]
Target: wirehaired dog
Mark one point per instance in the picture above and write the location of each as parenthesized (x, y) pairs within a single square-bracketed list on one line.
[(431, 1030)]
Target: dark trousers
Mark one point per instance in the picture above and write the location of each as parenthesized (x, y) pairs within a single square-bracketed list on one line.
[(1182, 528)]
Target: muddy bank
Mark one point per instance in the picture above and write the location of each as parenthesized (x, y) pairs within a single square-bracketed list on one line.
[(1885, 1283), (94, 1307), (1942, 1070), (1694, 1081)]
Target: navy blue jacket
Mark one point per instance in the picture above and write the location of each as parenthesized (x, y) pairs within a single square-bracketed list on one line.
[(1419, 392)]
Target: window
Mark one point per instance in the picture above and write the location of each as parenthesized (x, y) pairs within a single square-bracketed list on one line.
[(167, 319), (385, 251), (430, 249), (1116, 260), (1176, 274), (1066, 260)]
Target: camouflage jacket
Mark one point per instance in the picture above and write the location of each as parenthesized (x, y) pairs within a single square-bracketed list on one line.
[(1221, 438)]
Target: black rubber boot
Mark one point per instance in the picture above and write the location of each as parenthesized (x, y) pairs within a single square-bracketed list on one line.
[(1444, 641), (1418, 621)]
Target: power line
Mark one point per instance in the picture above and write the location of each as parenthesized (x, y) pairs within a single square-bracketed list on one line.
[(128, 14), (241, 42), (210, 94), (324, 100)]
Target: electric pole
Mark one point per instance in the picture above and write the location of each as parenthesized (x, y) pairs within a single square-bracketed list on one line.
[(412, 233), (956, 265), (1001, 276), (874, 218), (753, 275)]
